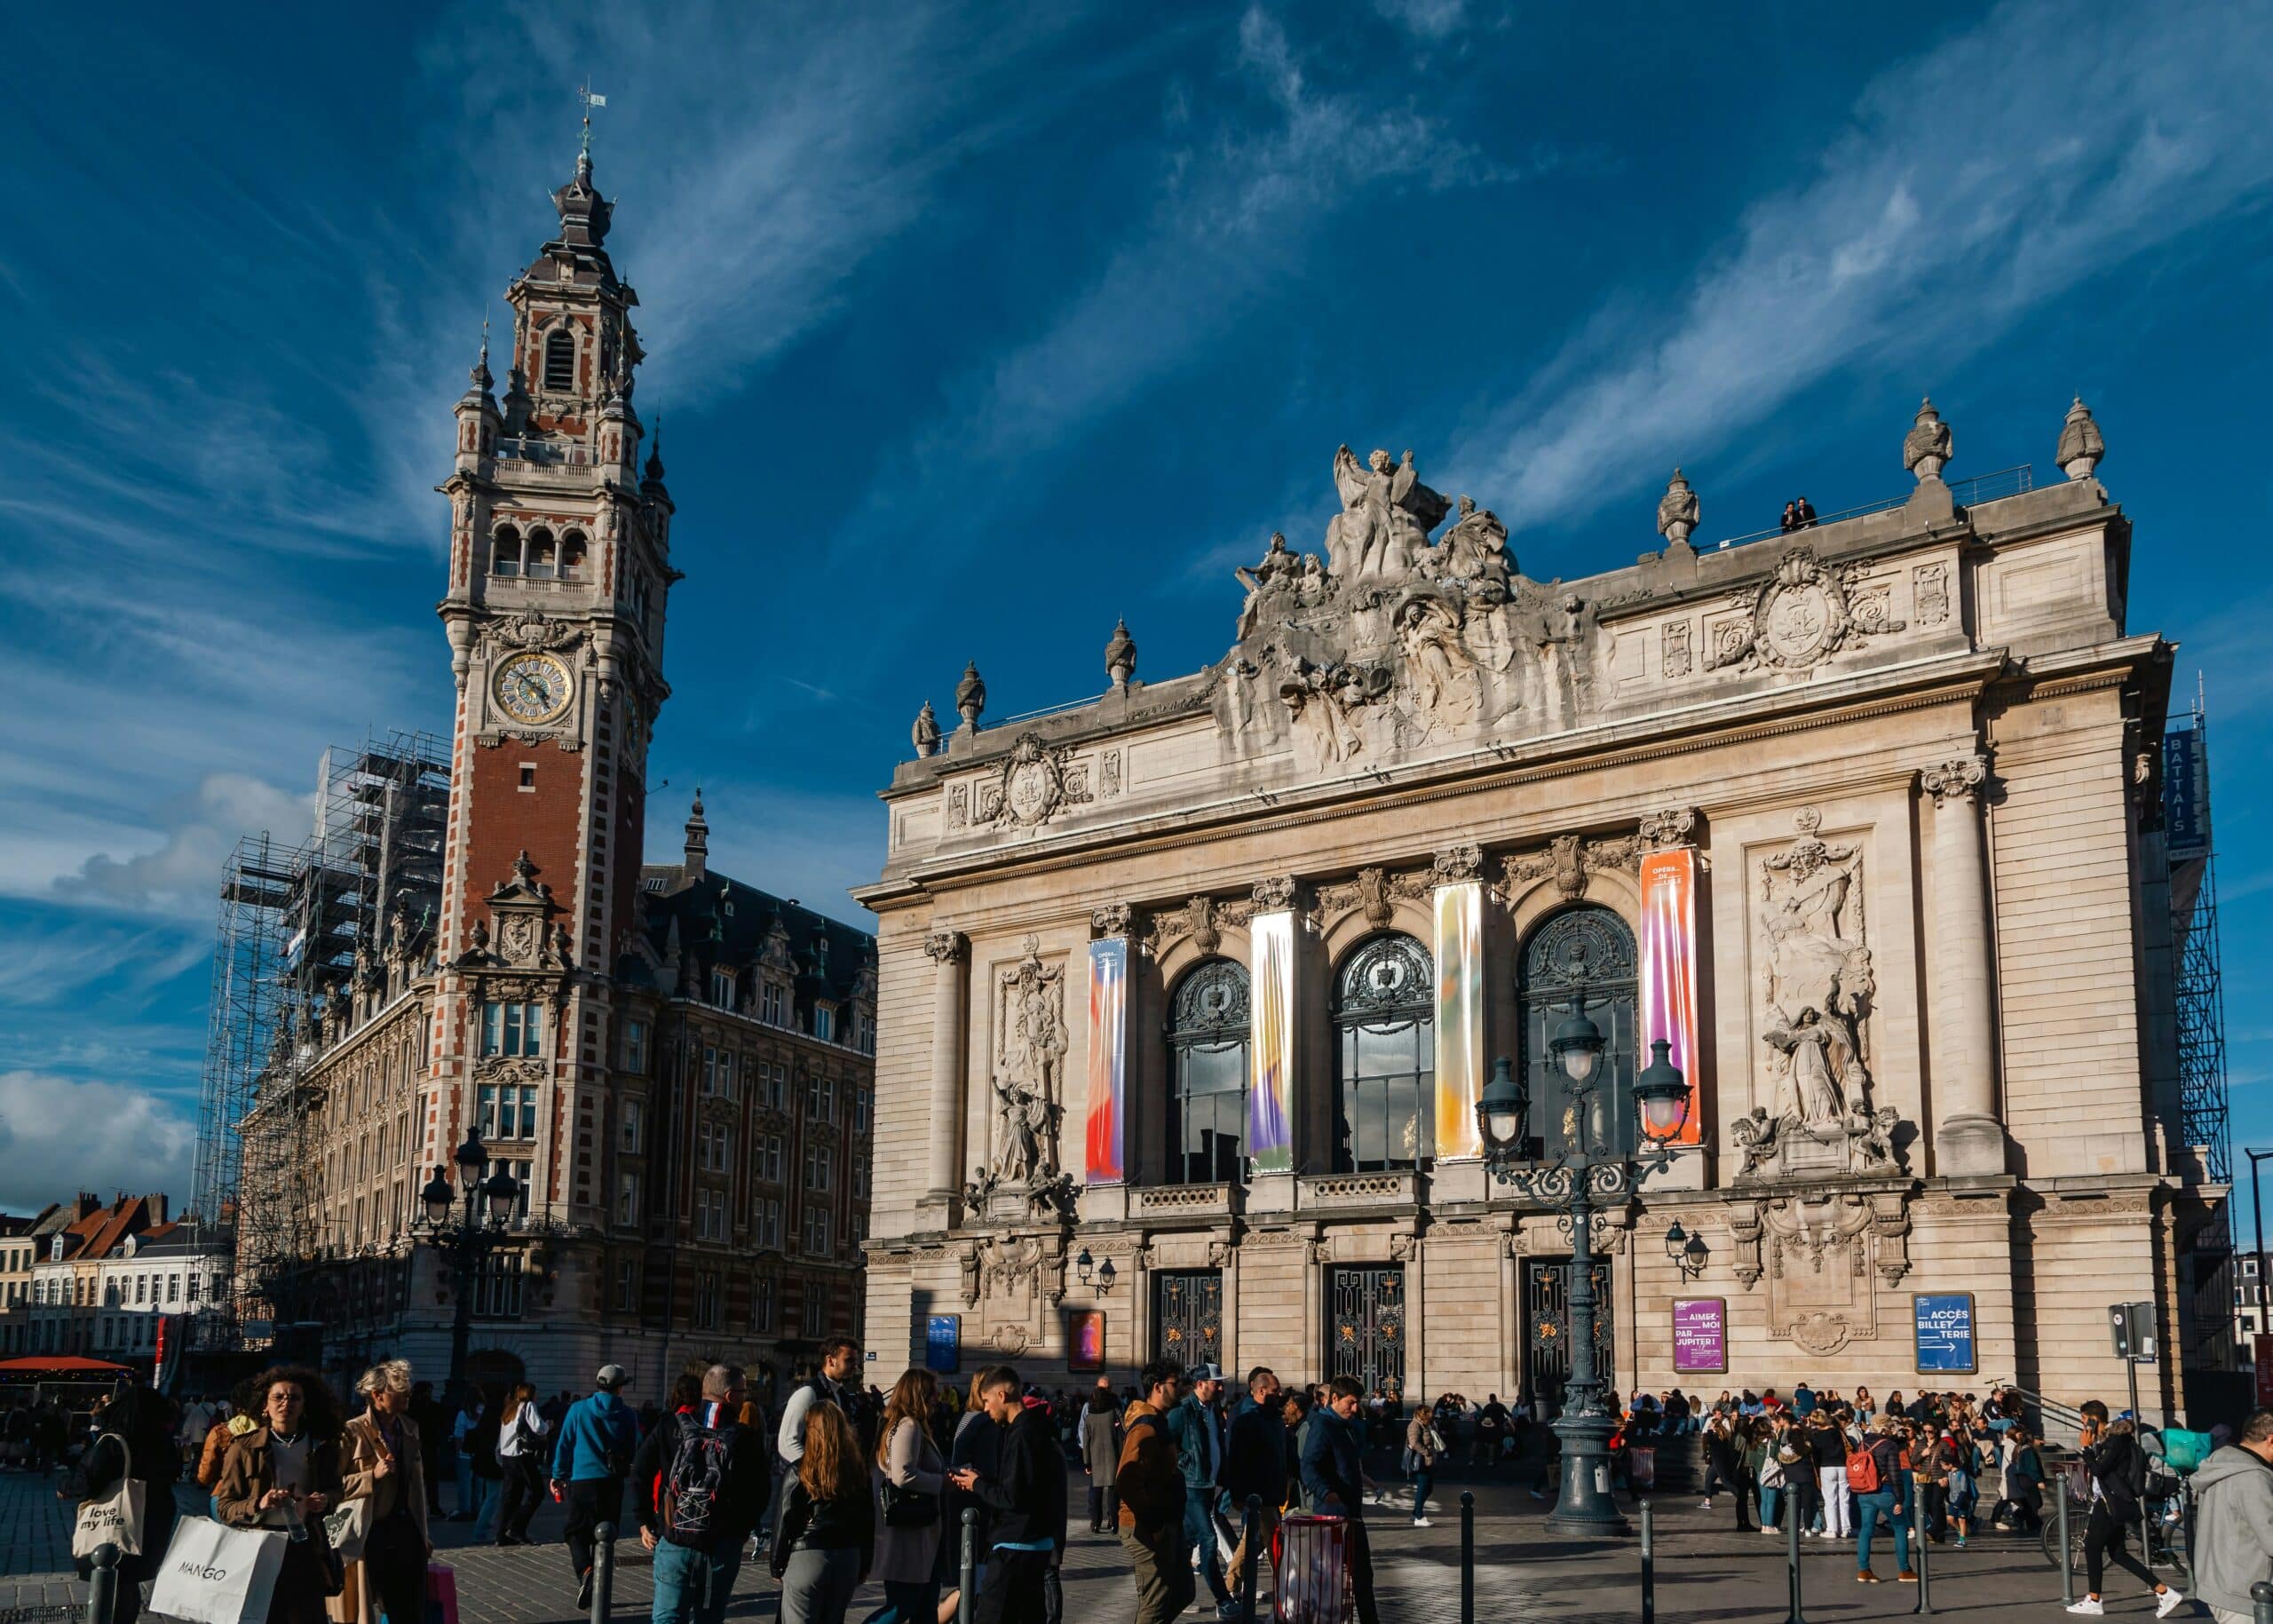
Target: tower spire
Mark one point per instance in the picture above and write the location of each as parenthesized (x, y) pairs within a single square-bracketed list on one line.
[(585, 152)]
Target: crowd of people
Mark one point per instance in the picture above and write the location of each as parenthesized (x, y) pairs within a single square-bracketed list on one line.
[(849, 1484)]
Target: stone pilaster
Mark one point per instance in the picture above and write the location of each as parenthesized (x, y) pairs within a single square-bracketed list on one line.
[(950, 952), (1969, 1138)]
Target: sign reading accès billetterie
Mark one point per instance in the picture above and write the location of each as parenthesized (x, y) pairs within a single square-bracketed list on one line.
[(943, 1345), (1700, 1335), (1943, 1326)]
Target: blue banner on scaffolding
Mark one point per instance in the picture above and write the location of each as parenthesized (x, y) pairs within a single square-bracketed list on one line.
[(2186, 795)]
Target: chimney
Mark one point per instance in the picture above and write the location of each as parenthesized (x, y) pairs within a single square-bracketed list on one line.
[(157, 1205), (698, 841)]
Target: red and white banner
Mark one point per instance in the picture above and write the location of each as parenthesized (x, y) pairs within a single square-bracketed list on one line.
[(1670, 969)]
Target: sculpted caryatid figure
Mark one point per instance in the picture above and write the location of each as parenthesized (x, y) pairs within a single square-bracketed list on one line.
[(1386, 516)]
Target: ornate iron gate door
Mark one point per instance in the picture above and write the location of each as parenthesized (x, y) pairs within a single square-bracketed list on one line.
[(1188, 1316), (1365, 1326), (1547, 1329)]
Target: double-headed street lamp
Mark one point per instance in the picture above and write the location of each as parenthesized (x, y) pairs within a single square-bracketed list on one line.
[(488, 1207), (1573, 1183)]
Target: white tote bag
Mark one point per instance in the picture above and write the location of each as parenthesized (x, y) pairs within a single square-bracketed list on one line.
[(347, 1527), (215, 1574), (115, 1518)]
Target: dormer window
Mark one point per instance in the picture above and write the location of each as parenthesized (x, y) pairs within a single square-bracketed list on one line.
[(825, 1023), (560, 359), (505, 552), (722, 988)]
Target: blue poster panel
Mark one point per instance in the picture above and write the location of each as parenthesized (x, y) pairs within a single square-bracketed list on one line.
[(943, 1345), (1944, 1328)]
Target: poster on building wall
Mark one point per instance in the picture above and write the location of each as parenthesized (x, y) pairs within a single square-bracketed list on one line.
[(1085, 1339), (943, 1345), (1270, 1127), (1460, 1017), (1670, 969), (2186, 792), (1700, 1336), (1944, 1331), (1108, 1057)]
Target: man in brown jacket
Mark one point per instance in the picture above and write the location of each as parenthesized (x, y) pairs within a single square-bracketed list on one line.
[(1151, 1499)]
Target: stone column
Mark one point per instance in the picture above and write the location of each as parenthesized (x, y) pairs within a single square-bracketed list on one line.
[(1968, 1139), (950, 951)]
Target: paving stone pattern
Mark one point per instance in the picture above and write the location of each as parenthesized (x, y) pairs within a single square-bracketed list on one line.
[(1705, 1572)]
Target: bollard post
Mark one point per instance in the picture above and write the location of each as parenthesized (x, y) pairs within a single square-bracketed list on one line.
[(1467, 1557), (2261, 1601), (2067, 1556), (1250, 1538), (966, 1603), (1792, 1565), (602, 1572), (1649, 1564), (1919, 1545), (102, 1586)]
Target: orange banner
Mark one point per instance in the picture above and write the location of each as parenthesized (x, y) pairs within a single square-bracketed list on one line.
[(1670, 969)]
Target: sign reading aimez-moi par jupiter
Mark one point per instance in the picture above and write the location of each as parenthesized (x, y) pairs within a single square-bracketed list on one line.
[(1669, 967)]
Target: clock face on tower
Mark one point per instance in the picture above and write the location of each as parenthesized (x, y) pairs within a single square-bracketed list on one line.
[(533, 688)]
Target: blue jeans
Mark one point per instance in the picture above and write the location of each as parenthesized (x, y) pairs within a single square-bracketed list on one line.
[(465, 1485), (692, 1586), (1200, 1530), (908, 1602), (1868, 1509), (486, 1499), (1770, 1497), (1423, 1481)]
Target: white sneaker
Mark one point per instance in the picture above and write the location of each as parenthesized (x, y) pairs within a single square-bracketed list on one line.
[(1706, 1506), (2168, 1603), (2089, 1604), (1422, 1522)]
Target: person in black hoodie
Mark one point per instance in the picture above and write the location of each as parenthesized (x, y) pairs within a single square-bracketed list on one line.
[(700, 1483), (1025, 1497), (2119, 1468), (1254, 1463), (133, 1437)]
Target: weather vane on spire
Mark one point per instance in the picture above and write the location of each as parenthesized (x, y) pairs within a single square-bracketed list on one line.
[(584, 94)]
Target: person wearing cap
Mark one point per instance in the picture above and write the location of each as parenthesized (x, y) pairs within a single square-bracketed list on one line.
[(1198, 1434), (597, 1436)]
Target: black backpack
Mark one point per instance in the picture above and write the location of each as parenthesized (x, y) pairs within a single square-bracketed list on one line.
[(695, 1478)]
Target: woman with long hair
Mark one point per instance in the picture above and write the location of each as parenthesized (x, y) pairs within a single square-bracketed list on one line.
[(910, 1471), (383, 1465), (826, 1531), (284, 1475), (132, 1439), (521, 1452)]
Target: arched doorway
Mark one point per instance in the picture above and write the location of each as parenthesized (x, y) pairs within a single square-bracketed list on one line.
[(495, 1371)]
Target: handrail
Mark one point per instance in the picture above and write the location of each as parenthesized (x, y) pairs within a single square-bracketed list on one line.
[(1965, 493)]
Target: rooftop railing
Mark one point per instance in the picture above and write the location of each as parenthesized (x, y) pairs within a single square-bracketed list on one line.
[(545, 453), (1965, 493)]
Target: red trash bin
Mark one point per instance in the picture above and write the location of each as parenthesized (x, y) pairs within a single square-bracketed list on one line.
[(1313, 1575)]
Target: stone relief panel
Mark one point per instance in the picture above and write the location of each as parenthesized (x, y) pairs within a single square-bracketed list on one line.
[(1373, 892), (1929, 593), (1034, 783), (1815, 992), (1677, 636), (1821, 1254), (1801, 615), (1567, 862), (1029, 1042)]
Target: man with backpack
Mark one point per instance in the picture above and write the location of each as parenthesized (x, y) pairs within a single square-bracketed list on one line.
[(1876, 1476), (1151, 1500), (700, 1484), (597, 1436)]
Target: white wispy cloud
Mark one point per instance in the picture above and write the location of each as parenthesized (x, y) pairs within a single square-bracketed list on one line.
[(61, 1134), (2049, 143), (1425, 19)]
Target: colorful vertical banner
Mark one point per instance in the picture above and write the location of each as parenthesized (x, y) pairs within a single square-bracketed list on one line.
[(1460, 1019), (1670, 969), (1108, 1057), (1270, 1127)]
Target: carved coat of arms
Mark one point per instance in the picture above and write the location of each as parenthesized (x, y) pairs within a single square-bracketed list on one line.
[(1800, 615)]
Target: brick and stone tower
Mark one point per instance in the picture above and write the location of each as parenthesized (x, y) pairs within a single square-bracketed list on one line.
[(559, 569)]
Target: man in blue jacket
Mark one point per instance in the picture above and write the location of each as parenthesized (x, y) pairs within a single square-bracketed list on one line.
[(1198, 1434), (597, 1436), (1334, 1480)]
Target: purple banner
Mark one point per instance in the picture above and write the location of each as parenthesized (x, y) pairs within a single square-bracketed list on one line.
[(1700, 1335)]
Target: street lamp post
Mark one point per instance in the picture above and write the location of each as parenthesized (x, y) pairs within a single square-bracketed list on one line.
[(1575, 1184), (488, 1207)]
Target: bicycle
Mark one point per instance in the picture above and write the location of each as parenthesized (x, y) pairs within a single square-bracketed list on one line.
[(2168, 1517)]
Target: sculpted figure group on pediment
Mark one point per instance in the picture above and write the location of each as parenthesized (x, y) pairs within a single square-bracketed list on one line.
[(1393, 640)]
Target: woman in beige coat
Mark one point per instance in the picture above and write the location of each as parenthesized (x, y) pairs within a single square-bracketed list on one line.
[(383, 1469), (907, 1553)]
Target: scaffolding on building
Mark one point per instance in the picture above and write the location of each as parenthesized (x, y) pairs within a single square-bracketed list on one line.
[(297, 923), (2200, 1003)]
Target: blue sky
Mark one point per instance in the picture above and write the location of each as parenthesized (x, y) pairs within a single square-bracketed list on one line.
[(972, 329)]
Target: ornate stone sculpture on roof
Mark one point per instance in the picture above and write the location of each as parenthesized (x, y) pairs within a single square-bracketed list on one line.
[(2082, 446), (1928, 447), (1386, 516), (1677, 509)]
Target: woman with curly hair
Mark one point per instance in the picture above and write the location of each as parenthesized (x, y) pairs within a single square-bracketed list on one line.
[(384, 1468), (284, 1475)]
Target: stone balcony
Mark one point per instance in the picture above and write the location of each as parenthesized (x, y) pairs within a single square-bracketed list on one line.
[(1357, 1192), (1180, 1203)]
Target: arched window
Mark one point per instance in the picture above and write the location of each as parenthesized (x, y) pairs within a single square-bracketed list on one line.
[(1207, 1073), (538, 563), (505, 552), (560, 359), (1583, 955), (572, 555), (1385, 1039)]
